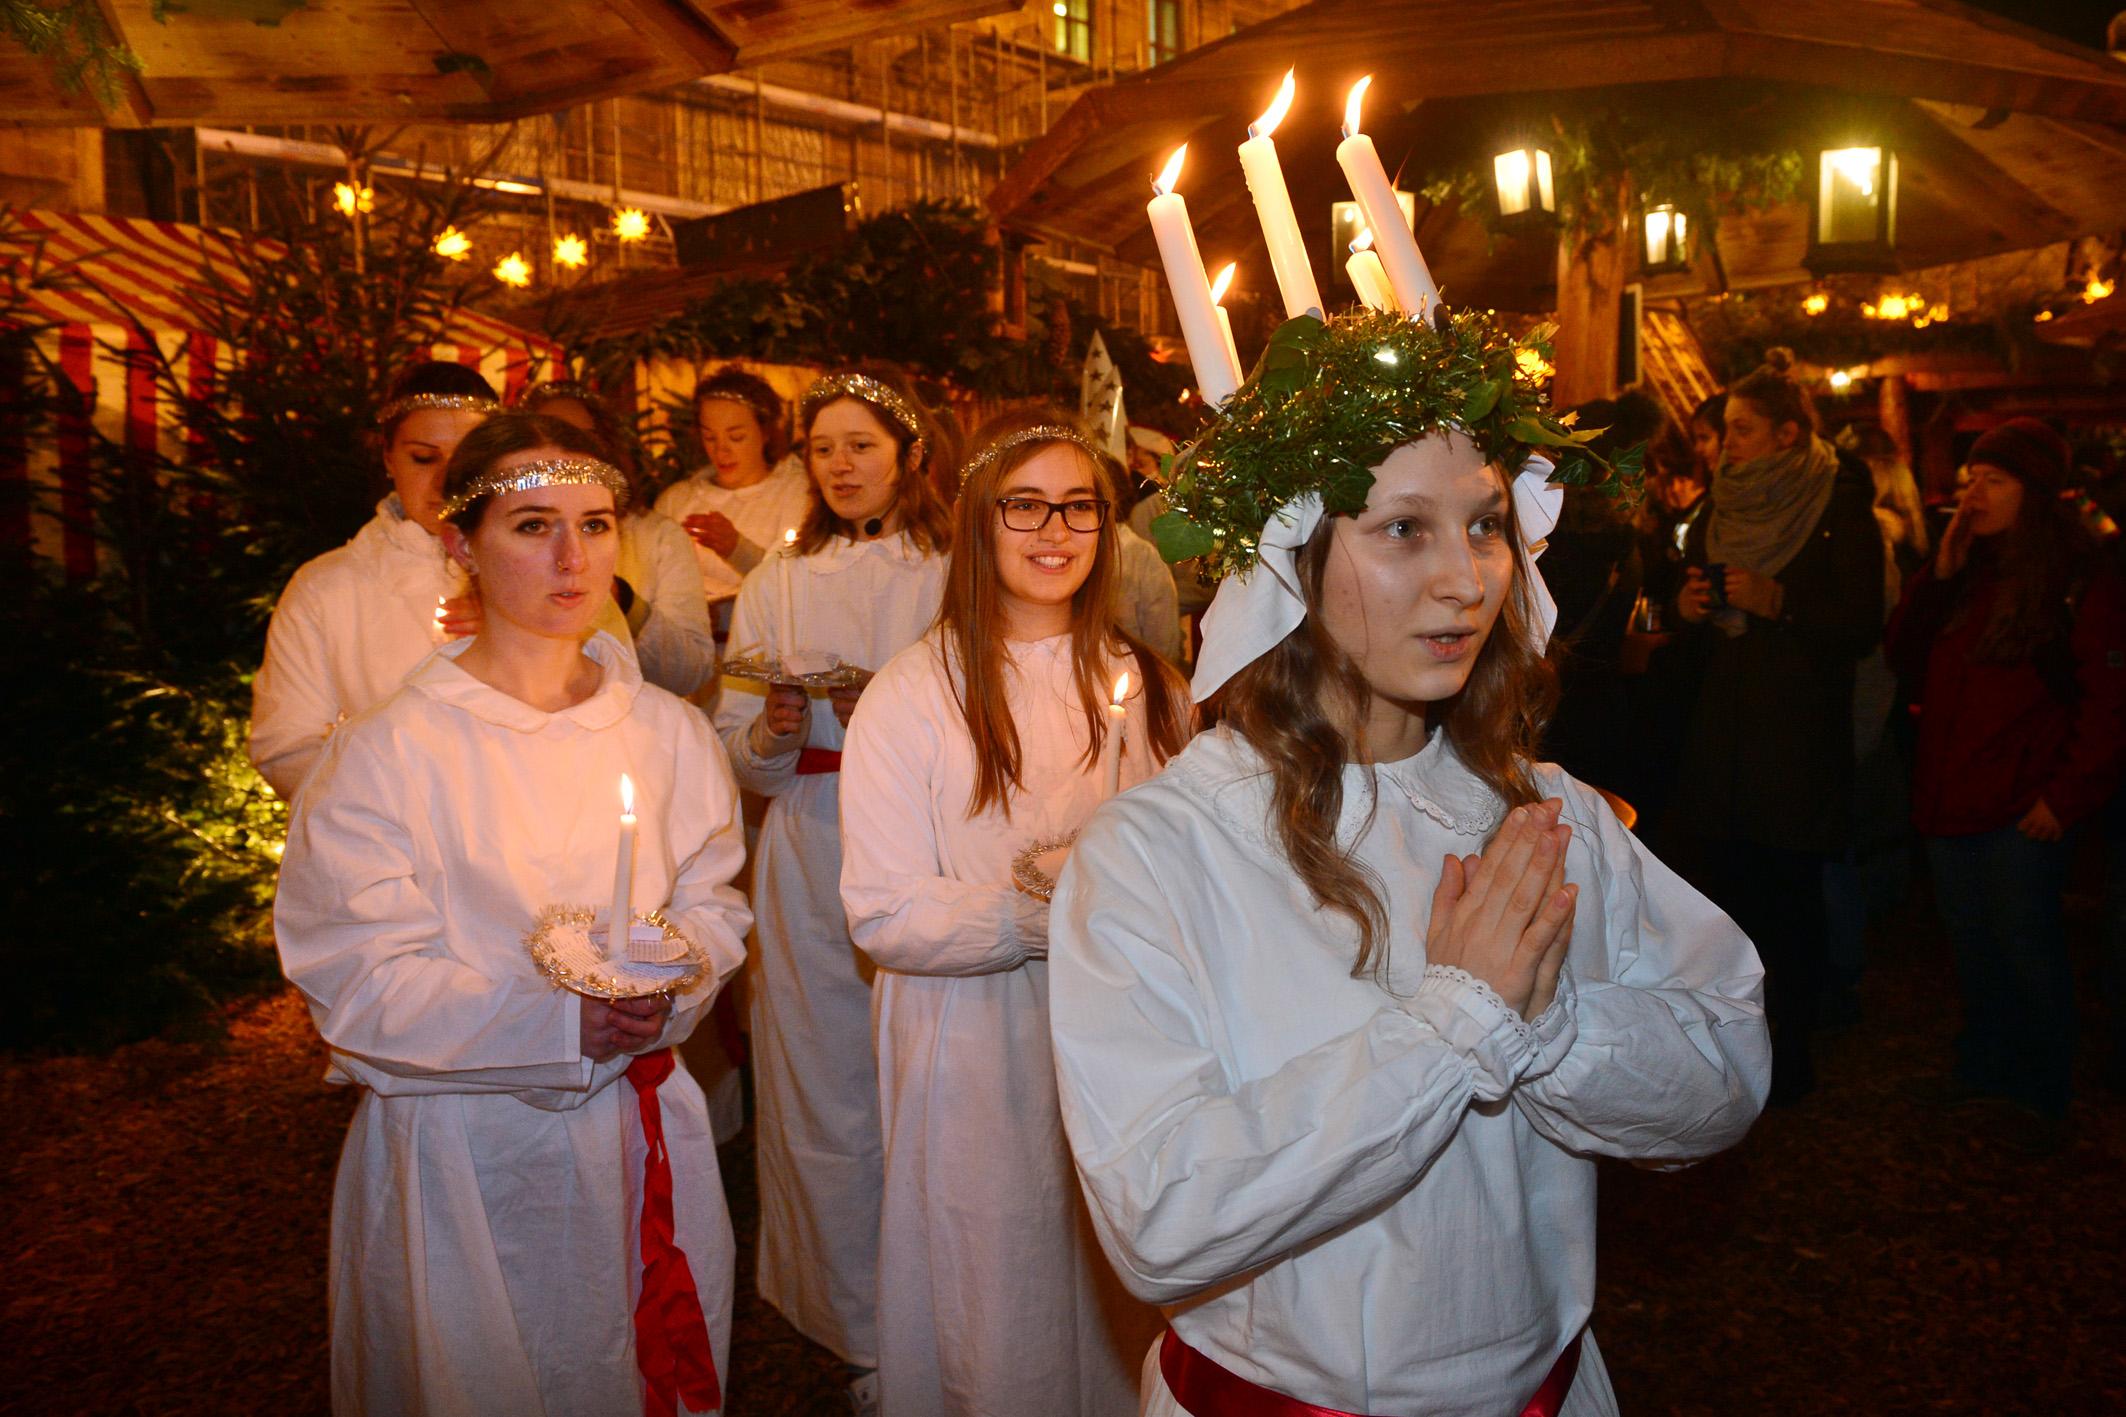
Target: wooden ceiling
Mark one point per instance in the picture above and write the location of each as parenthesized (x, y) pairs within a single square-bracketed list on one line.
[(2008, 138), (231, 62)]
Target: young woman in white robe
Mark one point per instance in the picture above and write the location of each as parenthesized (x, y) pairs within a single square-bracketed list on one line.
[(505, 1239), (1350, 998), (352, 622), (737, 507), (861, 584), (991, 736), (659, 603)]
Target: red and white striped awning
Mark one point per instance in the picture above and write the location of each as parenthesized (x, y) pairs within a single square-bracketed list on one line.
[(142, 280)]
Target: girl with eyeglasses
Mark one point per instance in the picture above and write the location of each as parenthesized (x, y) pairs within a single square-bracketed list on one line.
[(861, 583), (986, 740)]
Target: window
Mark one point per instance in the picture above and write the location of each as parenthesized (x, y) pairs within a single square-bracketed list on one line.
[(1162, 25), (1074, 29)]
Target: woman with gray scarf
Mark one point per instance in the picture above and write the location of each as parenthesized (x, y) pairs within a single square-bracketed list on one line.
[(1784, 595)]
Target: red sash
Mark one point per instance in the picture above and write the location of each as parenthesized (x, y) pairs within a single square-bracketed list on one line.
[(671, 1335), (814, 762), (1205, 1389)]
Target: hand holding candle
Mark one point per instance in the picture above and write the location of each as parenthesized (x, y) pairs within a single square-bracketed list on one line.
[(1217, 372), (1397, 247), (1117, 734), (616, 934), (1273, 208)]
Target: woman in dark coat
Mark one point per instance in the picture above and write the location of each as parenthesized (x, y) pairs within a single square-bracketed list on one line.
[(1784, 595)]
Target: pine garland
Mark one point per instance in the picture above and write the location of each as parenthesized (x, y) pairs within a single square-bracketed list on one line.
[(1330, 400)]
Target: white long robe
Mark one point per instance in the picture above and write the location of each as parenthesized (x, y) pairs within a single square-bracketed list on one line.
[(1370, 1201), (348, 627), (486, 1216), (815, 1075), (993, 1298), (668, 626), (1151, 606), (761, 512)]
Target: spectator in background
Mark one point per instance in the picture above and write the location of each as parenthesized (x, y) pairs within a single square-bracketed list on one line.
[(1149, 605), (2015, 635), (1784, 596)]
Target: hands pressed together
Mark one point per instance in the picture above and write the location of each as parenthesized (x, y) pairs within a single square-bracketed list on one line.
[(622, 1025), (1505, 916)]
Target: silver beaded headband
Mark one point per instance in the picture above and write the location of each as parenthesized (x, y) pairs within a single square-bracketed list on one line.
[(869, 390), (414, 403), (571, 471), (767, 412), (1039, 433), (536, 394)]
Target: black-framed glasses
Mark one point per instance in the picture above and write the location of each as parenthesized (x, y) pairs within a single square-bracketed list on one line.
[(1031, 513)]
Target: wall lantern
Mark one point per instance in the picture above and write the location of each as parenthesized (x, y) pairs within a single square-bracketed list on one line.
[(1666, 247), (1853, 212), (1526, 192)]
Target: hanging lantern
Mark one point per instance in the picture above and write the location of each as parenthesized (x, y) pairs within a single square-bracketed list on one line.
[(1527, 194), (1853, 211), (1667, 239)]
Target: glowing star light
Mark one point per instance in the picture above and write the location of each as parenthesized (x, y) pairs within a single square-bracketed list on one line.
[(631, 223), (1816, 304), (571, 251), (453, 244), (350, 199), (514, 270)]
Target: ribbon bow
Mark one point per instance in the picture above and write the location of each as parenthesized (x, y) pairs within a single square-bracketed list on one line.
[(671, 1334)]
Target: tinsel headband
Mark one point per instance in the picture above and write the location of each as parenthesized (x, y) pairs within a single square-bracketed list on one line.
[(536, 394), (769, 413), (863, 387), (571, 470), (414, 403), (1039, 433)]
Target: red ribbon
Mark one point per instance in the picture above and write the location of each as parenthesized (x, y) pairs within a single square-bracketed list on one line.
[(671, 1334), (813, 762), (1206, 1389)]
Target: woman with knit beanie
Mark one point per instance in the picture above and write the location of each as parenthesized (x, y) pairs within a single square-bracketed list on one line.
[(2015, 636)]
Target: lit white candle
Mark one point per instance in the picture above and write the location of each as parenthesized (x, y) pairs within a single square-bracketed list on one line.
[(1273, 208), (440, 634), (1117, 731), (1366, 274), (786, 612), (1407, 277), (616, 934), (1225, 322), (1217, 373)]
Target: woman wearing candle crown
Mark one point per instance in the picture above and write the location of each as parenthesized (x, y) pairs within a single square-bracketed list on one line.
[(351, 622), (1347, 1000), (528, 1216), (990, 736), (860, 583)]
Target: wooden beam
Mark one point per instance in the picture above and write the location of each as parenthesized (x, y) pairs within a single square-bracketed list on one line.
[(128, 106), (683, 27)]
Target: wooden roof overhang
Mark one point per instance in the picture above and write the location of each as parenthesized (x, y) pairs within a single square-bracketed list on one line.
[(232, 62), (2007, 137)]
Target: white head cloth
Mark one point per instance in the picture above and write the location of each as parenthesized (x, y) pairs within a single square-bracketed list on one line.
[(1251, 614)]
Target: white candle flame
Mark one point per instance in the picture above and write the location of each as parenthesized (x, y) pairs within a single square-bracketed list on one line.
[(1171, 173), (440, 602), (1352, 104), (1364, 241), (789, 539), (1219, 284), (1121, 689), (627, 796), (1274, 114)]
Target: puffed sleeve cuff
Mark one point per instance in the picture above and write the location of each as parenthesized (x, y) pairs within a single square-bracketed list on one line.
[(769, 775), (1029, 928), (1556, 1029), (1474, 1021)]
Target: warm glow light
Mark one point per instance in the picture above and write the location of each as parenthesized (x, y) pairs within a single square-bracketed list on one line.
[(1364, 241), (1511, 169), (1274, 114), (351, 199), (1223, 282), (627, 796), (2097, 290), (1121, 689), (439, 609), (2042, 316), (1857, 166), (631, 223), (1841, 380), (1893, 307), (1061, 10), (1816, 304), (514, 270), (1353, 103), (1532, 366), (789, 539), (1171, 173), (453, 244), (571, 251)]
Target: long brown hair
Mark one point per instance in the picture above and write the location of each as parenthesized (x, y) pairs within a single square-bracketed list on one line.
[(1282, 706), (2040, 559), (924, 515), (971, 620)]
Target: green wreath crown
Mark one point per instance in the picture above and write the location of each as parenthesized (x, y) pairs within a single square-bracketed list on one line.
[(1329, 400)]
